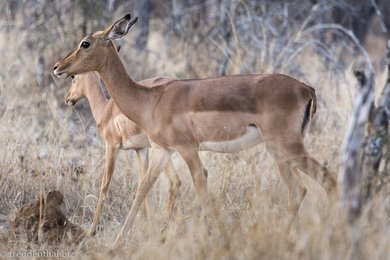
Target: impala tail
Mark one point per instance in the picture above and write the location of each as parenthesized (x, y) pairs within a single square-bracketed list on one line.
[(310, 111)]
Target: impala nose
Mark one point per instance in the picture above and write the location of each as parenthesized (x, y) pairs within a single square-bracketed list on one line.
[(55, 67)]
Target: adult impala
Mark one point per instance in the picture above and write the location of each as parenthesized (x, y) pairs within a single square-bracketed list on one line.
[(118, 132), (223, 114)]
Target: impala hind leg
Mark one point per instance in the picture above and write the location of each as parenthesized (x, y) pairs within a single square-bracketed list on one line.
[(157, 164), (111, 154), (310, 166), (323, 175), (302, 190), (296, 191)]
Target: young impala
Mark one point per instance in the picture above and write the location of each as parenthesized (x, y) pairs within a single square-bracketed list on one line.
[(222, 114), (118, 132)]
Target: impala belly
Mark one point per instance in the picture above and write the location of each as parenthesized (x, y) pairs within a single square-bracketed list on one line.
[(135, 142), (251, 138), (130, 136)]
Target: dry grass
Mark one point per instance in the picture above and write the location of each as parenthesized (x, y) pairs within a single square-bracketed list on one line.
[(45, 145)]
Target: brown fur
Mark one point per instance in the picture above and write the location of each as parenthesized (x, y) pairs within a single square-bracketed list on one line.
[(116, 129), (182, 114)]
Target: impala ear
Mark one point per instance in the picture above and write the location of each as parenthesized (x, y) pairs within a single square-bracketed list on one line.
[(119, 28)]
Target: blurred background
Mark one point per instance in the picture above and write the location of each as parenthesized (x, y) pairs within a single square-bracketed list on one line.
[(230, 36), (45, 144)]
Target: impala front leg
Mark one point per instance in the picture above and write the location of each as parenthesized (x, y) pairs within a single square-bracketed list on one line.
[(158, 162), (174, 185), (199, 176), (142, 157), (111, 154)]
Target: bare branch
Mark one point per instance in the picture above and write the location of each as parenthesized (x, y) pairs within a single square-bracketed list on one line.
[(379, 14), (347, 32)]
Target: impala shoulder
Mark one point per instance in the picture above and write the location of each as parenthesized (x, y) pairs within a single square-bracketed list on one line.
[(119, 121)]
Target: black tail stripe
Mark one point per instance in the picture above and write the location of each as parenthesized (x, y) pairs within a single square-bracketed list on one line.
[(306, 117)]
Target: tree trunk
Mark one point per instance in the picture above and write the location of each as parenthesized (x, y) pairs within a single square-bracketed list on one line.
[(365, 157), (351, 168)]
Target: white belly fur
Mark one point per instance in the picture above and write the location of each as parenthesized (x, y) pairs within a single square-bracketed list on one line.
[(246, 141)]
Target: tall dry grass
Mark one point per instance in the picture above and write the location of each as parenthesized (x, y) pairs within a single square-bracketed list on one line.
[(45, 145)]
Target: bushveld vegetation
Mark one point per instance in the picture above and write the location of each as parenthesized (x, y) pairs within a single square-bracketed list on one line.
[(46, 145)]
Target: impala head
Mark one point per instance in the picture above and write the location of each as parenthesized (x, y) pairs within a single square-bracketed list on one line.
[(90, 54), (80, 85)]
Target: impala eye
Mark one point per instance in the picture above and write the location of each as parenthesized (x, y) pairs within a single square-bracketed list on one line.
[(85, 45), (72, 77)]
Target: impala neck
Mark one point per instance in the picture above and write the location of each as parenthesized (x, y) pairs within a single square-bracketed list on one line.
[(96, 98), (131, 98)]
